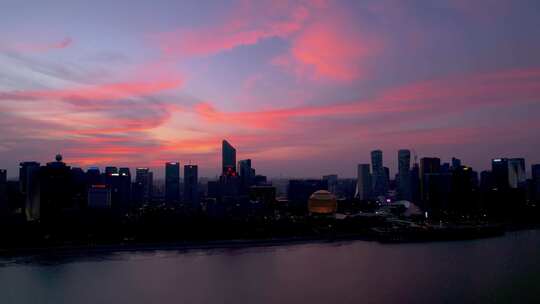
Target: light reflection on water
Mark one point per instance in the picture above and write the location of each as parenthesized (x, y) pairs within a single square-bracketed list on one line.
[(495, 270)]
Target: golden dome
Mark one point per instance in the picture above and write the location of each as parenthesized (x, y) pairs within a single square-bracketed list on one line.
[(322, 202)]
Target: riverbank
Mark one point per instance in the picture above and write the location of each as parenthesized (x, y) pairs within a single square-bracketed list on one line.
[(377, 235)]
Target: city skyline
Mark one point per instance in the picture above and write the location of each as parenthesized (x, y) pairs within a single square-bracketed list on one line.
[(290, 83)]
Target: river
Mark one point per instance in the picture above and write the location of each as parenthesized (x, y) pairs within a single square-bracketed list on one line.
[(495, 270)]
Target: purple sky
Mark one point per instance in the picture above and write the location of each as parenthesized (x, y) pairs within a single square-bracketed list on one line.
[(304, 88)]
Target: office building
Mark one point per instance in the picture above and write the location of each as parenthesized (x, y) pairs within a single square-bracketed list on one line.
[(172, 182), (379, 178), (516, 173), (228, 157), (3, 193), (144, 183), (363, 183), (404, 174), (191, 185), (428, 165), (30, 189), (535, 174)]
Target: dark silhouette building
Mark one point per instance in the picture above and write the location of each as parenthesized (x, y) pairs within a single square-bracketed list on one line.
[(4, 208), (379, 178), (228, 157), (172, 182), (535, 174), (57, 191), (191, 185), (144, 183), (30, 189), (404, 174), (428, 165), (363, 182)]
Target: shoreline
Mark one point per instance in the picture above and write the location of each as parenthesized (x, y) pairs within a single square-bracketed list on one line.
[(67, 250)]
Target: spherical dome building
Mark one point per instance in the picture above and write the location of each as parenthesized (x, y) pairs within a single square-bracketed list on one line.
[(322, 202)]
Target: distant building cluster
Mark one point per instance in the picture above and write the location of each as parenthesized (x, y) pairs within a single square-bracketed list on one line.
[(442, 190)]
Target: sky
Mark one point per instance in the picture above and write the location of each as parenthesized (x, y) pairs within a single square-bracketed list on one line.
[(303, 88)]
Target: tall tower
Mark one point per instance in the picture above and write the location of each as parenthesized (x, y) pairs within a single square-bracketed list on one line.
[(191, 185), (379, 179), (30, 189), (404, 176), (516, 172), (363, 182), (172, 182), (228, 156), (144, 180), (3, 192)]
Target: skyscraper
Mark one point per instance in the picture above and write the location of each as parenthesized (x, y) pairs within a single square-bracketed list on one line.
[(191, 185), (30, 189), (247, 175), (404, 176), (3, 192), (172, 182), (516, 172), (535, 171), (228, 159), (428, 165), (500, 174), (379, 179), (56, 187), (145, 181), (363, 183)]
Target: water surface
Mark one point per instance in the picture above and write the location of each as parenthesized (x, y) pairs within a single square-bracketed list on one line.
[(495, 270)]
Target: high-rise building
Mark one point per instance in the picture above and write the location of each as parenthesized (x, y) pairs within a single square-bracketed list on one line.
[(121, 190), (247, 175), (500, 174), (332, 180), (228, 153), (191, 185), (404, 174), (428, 165), (486, 181), (535, 172), (3, 192), (172, 182), (57, 191), (415, 183), (363, 183), (516, 172), (379, 179), (30, 189), (144, 183)]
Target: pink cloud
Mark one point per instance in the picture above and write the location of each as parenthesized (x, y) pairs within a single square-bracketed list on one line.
[(39, 47), (246, 24), (101, 92), (441, 96), (329, 49)]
